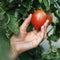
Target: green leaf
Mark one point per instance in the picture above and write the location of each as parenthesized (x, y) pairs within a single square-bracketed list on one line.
[(30, 28), (1, 4), (13, 25), (4, 17), (10, 1), (59, 1), (52, 1), (22, 10), (40, 1), (2, 12), (26, 56), (53, 37), (47, 4), (57, 6), (58, 13)]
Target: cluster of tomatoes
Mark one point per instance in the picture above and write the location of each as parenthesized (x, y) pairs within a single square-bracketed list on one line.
[(39, 17)]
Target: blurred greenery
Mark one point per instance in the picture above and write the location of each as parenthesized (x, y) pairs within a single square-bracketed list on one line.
[(12, 15), (4, 45)]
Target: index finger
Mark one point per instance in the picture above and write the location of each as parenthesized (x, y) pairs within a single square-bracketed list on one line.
[(26, 23)]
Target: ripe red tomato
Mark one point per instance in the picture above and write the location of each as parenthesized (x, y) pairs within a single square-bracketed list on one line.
[(49, 17), (38, 18)]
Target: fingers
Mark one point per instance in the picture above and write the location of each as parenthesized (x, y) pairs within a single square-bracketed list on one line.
[(26, 23), (45, 27), (35, 32), (42, 34), (46, 23), (34, 43)]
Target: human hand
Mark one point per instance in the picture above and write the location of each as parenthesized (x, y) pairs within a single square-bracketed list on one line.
[(27, 40)]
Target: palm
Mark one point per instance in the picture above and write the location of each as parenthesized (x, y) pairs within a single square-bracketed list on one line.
[(31, 36)]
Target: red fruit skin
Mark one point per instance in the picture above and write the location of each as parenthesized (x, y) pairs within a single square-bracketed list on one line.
[(38, 18), (49, 17)]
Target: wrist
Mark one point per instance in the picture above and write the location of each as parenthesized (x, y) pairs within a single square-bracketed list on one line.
[(14, 54)]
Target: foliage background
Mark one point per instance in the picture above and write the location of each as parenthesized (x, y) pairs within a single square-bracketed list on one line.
[(12, 15)]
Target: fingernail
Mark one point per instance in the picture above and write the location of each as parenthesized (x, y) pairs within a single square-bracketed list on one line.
[(42, 27), (47, 21), (30, 15)]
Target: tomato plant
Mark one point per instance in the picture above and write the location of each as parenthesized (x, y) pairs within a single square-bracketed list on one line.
[(12, 15), (39, 17)]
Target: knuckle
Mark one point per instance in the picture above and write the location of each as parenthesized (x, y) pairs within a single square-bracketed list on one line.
[(22, 29), (45, 36), (42, 35)]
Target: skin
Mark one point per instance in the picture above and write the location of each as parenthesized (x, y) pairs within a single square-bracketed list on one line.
[(27, 40)]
